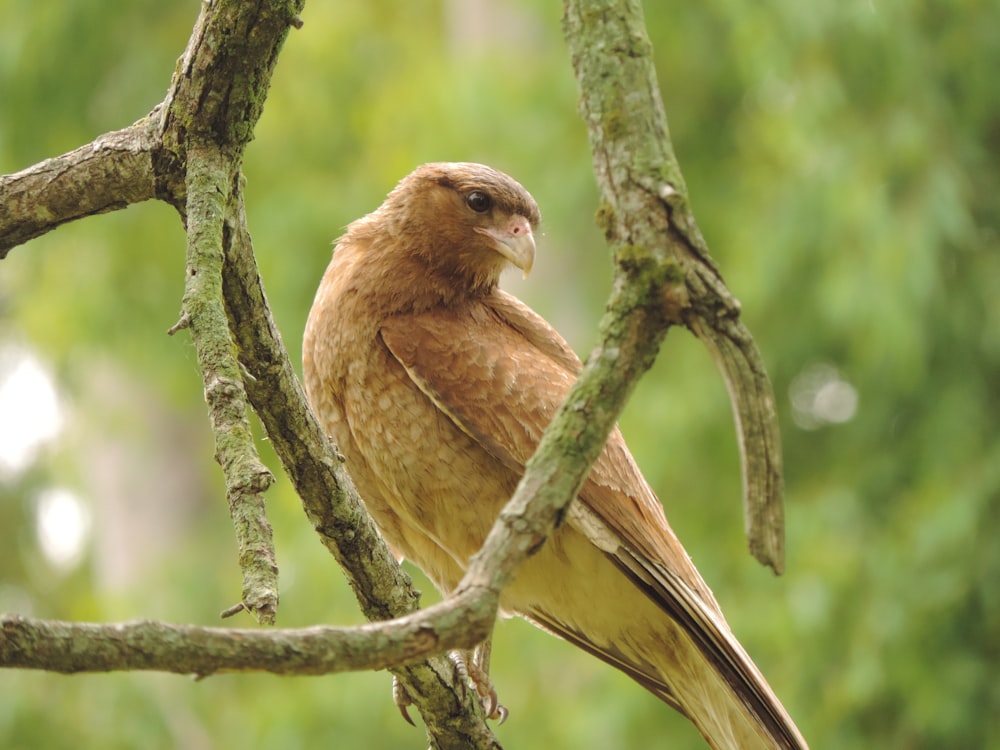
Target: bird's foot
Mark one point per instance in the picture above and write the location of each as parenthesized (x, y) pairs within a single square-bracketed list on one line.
[(473, 674)]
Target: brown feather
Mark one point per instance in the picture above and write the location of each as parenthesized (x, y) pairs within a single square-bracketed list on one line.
[(437, 387)]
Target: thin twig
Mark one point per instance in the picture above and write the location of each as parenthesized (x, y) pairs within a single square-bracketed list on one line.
[(209, 177)]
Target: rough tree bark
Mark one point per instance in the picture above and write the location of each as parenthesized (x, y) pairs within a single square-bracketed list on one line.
[(188, 152)]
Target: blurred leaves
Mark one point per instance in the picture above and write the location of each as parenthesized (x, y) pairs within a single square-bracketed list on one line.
[(843, 160)]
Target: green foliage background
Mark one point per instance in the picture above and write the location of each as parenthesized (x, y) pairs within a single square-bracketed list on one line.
[(842, 158)]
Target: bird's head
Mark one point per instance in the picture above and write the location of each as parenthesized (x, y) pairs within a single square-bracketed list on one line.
[(465, 222)]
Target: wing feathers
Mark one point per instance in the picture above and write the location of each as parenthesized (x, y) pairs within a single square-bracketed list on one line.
[(499, 372)]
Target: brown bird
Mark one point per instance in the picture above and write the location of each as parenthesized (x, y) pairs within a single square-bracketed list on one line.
[(436, 387)]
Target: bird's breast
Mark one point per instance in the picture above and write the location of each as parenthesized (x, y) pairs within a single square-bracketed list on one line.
[(432, 490)]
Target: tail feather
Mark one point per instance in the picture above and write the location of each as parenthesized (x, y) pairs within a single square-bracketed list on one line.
[(719, 647), (701, 669)]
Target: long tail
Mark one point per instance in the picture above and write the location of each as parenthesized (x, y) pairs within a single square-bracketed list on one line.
[(750, 695), (689, 658)]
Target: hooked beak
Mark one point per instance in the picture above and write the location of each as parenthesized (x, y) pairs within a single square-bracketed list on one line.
[(515, 242)]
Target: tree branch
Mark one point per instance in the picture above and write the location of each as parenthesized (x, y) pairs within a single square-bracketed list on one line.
[(647, 219), (216, 97), (328, 496), (208, 218), (110, 173), (75, 647)]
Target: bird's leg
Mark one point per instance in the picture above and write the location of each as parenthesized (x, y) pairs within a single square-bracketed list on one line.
[(474, 670)]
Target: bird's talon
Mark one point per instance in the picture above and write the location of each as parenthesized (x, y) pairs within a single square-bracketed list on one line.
[(489, 701), (488, 698), (471, 674), (500, 714), (405, 714), (402, 700)]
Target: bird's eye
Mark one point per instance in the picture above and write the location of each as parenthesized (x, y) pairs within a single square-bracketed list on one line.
[(479, 202)]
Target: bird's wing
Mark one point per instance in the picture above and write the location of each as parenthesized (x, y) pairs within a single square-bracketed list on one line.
[(500, 371)]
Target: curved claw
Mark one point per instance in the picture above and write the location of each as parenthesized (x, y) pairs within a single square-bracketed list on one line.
[(402, 700), (405, 714), (491, 704), (489, 699), (501, 714)]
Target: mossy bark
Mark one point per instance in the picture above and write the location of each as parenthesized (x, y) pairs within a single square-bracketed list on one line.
[(664, 270)]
